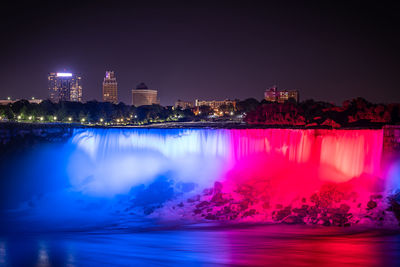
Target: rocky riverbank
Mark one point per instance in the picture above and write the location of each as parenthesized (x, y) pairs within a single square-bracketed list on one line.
[(332, 205)]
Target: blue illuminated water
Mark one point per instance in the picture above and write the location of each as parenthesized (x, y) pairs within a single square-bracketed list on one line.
[(201, 245)]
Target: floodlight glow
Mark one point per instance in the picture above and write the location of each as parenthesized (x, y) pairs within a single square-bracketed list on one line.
[(64, 74)]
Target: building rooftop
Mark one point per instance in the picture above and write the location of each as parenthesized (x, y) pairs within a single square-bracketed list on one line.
[(142, 86)]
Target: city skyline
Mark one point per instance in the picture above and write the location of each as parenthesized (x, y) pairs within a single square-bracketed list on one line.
[(203, 50)]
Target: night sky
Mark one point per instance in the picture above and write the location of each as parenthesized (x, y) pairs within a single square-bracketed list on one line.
[(328, 50)]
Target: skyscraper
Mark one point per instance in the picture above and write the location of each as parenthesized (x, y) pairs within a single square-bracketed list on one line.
[(110, 88), (65, 87), (144, 96)]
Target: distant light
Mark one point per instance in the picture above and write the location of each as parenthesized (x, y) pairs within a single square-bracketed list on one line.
[(55, 118), (117, 120), (101, 120), (8, 98), (30, 118), (64, 74), (70, 119), (33, 98), (135, 116), (231, 113), (41, 118), (83, 119), (19, 117)]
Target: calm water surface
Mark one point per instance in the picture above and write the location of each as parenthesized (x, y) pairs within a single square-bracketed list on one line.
[(207, 245)]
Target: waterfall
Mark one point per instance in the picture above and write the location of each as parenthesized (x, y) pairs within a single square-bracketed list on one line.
[(111, 161)]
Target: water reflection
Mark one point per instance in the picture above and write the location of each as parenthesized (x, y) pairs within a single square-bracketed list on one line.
[(3, 253), (207, 246), (43, 257)]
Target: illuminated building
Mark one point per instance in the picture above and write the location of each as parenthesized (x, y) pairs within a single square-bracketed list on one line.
[(142, 96), (110, 88), (183, 104), (65, 87), (274, 95), (215, 104)]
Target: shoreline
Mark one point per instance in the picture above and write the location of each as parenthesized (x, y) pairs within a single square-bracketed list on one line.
[(188, 125)]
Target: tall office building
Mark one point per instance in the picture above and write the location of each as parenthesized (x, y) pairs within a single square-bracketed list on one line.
[(110, 88), (65, 87), (144, 96)]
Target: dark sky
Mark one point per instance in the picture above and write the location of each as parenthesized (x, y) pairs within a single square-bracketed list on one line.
[(329, 50)]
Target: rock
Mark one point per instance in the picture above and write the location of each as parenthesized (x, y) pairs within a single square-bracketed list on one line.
[(377, 196), (326, 223), (193, 199), (208, 191), (202, 204), (344, 208), (339, 219), (314, 198), (313, 212), (218, 199), (197, 211), (300, 212), (251, 212), (281, 214), (293, 220), (371, 204), (211, 216), (227, 209)]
